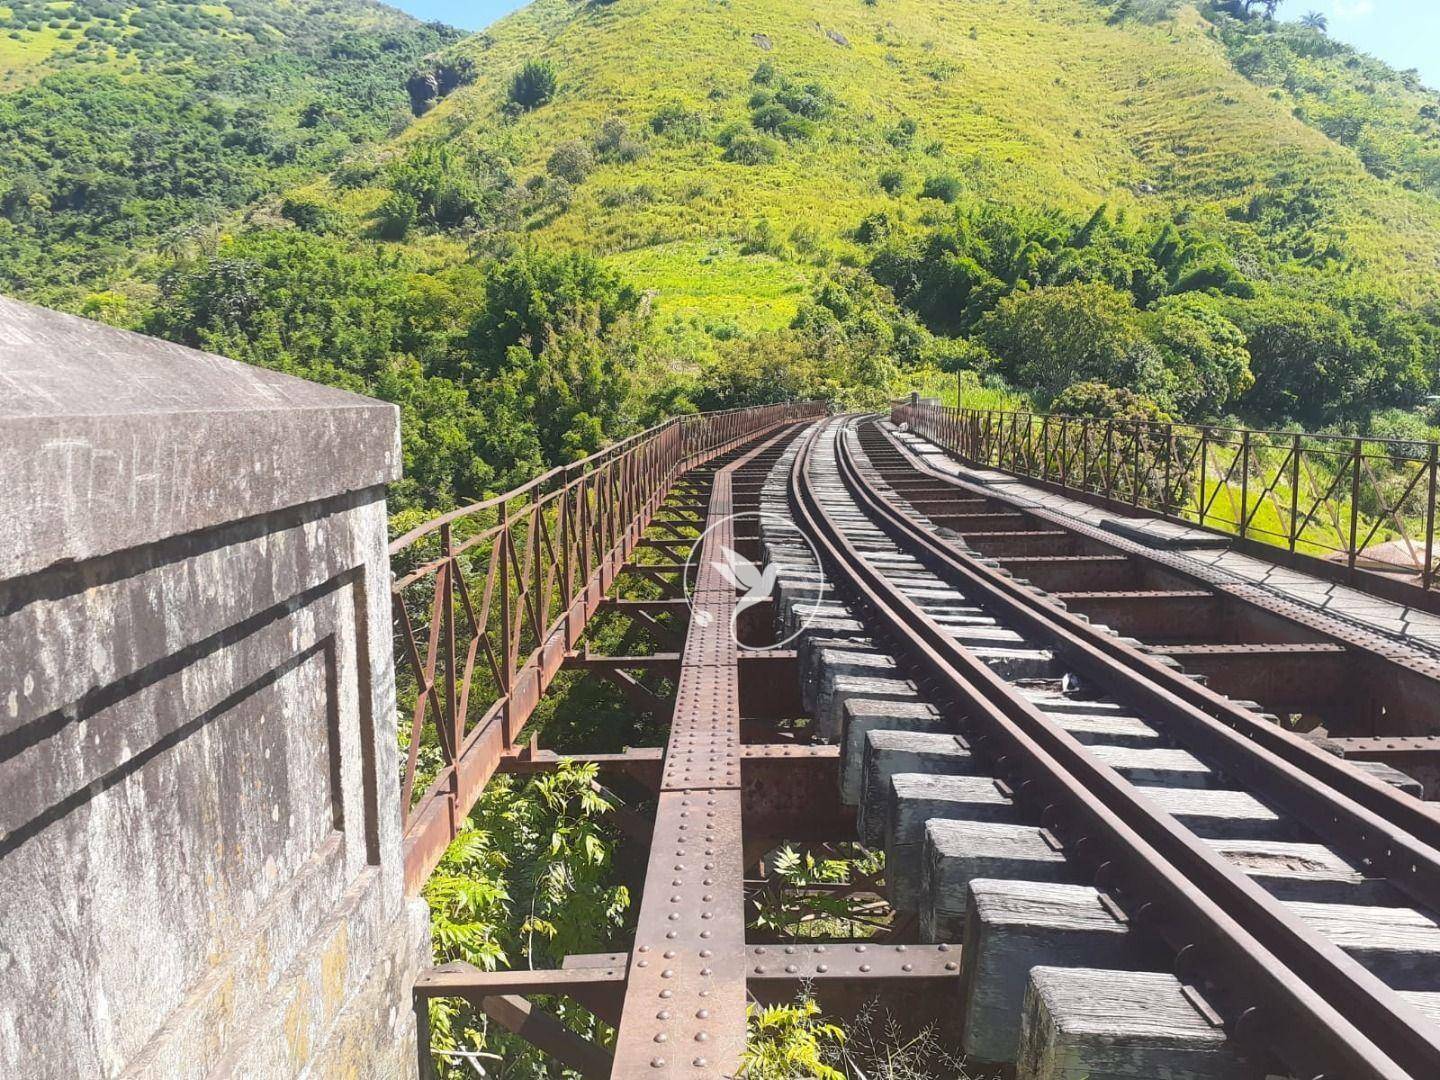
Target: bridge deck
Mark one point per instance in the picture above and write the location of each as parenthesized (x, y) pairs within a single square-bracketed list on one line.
[(1200, 546)]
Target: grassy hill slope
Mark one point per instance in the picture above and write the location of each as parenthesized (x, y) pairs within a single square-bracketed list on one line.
[(1043, 102), (596, 213), (126, 128)]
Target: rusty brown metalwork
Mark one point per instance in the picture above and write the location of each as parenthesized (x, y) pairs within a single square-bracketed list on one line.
[(685, 998), (1327, 501), (491, 598), (728, 788), (1289, 975)]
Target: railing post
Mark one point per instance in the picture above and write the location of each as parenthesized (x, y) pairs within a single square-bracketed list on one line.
[(1428, 575), (502, 537), (1354, 505), (1109, 458), (567, 565), (1204, 469), (1244, 481), (1295, 491), (1064, 451), (1165, 500), (447, 616), (1135, 464)]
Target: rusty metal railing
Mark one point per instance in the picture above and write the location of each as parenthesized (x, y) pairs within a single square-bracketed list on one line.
[(490, 597), (1357, 503)]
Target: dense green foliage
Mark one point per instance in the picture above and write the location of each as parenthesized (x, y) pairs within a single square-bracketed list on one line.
[(790, 1040), (499, 369), (160, 118), (1162, 308), (527, 882), (606, 213), (1388, 117)]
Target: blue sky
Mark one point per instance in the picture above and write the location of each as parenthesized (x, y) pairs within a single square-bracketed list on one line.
[(466, 14), (1405, 33)]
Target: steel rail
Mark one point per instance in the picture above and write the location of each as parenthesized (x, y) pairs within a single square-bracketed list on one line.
[(1388, 829), (1273, 998), (1414, 867)]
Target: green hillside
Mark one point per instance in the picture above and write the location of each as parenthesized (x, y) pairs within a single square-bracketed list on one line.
[(126, 128), (1040, 102), (595, 213)]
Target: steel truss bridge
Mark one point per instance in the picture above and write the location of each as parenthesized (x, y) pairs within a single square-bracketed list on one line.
[(1140, 812)]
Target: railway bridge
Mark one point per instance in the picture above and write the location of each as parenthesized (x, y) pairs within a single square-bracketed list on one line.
[(1143, 718)]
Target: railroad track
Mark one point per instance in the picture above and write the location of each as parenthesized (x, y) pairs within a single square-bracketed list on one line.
[(1070, 801)]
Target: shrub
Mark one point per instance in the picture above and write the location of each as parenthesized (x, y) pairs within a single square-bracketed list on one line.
[(770, 117), (892, 181), (764, 74), (903, 133), (397, 215), (615, 144), (571, 161), (747, 149), (356, 173), (811, 100), (308, 214), (676, 121), (788, 1041), (944, 187), (533, 85), (762, 238), (797, 129), (873, 227)]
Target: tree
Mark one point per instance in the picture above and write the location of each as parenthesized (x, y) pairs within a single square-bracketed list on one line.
[(1097, 401), (397, 215), (533, 85), (1309, 363), (451, 186), (1051, 337), (1206, 363), (1315, 21), (571, 161), (531, 295)]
